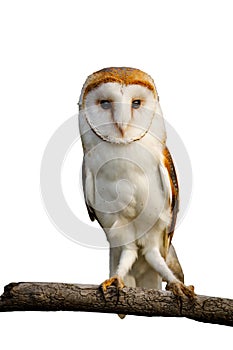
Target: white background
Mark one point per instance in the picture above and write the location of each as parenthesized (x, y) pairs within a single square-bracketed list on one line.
[(47, 50)]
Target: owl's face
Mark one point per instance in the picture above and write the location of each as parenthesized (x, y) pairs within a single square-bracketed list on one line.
[(119, 111)]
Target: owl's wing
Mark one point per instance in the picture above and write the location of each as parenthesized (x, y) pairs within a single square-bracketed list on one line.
[(87, 189), (174, 189)]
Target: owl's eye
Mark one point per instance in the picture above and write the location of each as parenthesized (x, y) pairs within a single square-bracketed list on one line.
[(105, 104), (136, 104)]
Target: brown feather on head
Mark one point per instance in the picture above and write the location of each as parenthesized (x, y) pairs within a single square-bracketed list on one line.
[(122, 75)]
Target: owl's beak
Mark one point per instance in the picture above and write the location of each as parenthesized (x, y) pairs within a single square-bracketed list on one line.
[(122, 128), (121, 117)]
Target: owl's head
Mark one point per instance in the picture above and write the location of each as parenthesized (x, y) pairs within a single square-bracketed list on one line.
[(120, 104)]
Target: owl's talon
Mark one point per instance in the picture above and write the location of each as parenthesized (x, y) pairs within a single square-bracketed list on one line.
[(112, 281), (180, 290), (118, 283)]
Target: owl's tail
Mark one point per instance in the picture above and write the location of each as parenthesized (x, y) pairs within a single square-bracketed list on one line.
[(174, 264)]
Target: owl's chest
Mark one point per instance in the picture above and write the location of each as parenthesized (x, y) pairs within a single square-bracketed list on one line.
[(126, 180), (122, 184)]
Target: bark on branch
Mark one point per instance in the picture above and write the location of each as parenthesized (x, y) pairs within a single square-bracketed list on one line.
[(132, 301)]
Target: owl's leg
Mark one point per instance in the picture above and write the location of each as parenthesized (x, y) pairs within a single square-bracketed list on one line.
[(155, 259), (127, 258)]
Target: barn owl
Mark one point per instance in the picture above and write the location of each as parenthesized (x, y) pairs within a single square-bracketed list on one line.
[(129, 179)]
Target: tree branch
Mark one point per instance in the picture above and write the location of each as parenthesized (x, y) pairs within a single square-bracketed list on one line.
[(132, 301)]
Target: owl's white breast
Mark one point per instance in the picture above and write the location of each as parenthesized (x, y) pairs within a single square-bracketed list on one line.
[(126, 184)]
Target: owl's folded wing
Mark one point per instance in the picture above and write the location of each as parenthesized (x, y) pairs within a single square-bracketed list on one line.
[(174, 189), (88, 190)]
